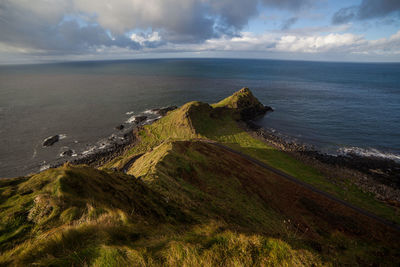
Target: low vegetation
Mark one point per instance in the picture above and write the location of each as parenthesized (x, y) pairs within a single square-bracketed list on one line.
[(187, 202)]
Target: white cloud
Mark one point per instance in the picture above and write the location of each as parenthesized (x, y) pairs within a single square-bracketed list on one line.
[(145, 38), (345, 43), (315, 44)]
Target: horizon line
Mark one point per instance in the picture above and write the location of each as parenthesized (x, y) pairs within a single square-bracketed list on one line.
[(192, 58)]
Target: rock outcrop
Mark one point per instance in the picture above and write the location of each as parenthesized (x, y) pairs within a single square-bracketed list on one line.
[(244, 104), (139, 119), (120, 127), (49, 141), (163, 111)]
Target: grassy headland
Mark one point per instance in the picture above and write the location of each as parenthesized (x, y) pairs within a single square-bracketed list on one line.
[(185, 202)]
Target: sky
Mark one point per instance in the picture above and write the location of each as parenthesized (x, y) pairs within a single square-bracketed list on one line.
[(321, 30)]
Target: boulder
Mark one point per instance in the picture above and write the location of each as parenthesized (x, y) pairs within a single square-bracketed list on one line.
[(139, 119), (49, 141), (120, 127), (164, 111), (68, 153)]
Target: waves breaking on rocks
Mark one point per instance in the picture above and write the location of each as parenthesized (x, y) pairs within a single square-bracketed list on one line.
[(107, 146), (368, 152), (290, 143)]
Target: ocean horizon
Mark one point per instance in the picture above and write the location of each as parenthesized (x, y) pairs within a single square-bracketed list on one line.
[(337, 107)]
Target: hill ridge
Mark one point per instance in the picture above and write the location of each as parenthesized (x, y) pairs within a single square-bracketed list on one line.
[(185, 200)]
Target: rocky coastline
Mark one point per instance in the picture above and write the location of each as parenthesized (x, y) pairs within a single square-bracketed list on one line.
[(375, 175), (117, 144), (372, 174)]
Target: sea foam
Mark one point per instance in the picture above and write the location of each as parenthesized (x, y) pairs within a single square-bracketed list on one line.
[(368, 152), (44, 167)]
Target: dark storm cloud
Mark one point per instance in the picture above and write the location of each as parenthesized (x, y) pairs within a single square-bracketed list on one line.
[(77, 26), (235, 14), (186, 27), (231, 16), (19, 27), (368, 9), (287, 24), (288, 4), (378, 8), (345, 15)]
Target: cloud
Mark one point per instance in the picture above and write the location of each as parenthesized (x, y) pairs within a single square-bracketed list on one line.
[(339, 44), (368, 9), (345, 15), (150, 40), (180, 20), (43, 28), (129, 27), (294, 43), (288, 4), (378, 8), (319, 44), (287, 24), (176, 20), (77, 26)]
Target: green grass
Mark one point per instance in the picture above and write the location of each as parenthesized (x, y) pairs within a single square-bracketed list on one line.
[(74, 207), (76, 215), (183, 174), (187, 203), (218, 122), (207, 183)]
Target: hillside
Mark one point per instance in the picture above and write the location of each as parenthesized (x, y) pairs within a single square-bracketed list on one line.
[(177, 198)]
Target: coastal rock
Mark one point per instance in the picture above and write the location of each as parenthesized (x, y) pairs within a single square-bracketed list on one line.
[(378, 176), (163, 111), (120, 127), (268, 109), (139, 119), (68, 153), (49, 141), (249, 106)]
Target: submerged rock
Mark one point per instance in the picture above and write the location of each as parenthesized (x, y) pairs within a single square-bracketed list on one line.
[(49, 141), (120, 127)]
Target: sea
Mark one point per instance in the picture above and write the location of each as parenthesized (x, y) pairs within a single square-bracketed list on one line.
[(337, 108)]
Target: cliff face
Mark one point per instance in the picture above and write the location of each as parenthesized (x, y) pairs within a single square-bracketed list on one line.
[(177, 199)]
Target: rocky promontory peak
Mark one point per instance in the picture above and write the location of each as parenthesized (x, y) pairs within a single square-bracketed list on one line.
[(197, 117), (244, 103)]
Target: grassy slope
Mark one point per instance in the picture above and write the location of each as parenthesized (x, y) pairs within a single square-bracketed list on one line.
[(200, 120), (194, 204), (207, 181), (76, 215), (69, 214)]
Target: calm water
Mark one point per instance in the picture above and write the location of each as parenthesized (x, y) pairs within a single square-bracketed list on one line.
[(335, 106)]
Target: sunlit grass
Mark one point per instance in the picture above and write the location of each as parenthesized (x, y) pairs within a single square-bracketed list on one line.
[(182, 203), (197, 120)]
